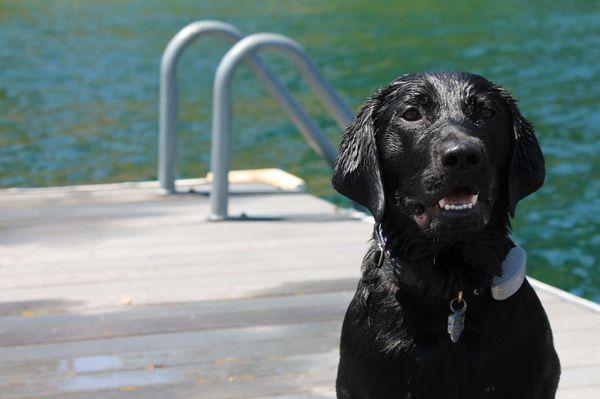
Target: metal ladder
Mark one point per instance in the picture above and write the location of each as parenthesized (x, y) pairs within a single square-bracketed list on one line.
[(243, 49)]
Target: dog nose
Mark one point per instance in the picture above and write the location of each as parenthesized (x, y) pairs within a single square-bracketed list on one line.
[(461, 155)]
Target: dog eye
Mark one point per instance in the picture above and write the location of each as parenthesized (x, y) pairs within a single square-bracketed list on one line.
[(487, 113), (411, 115)]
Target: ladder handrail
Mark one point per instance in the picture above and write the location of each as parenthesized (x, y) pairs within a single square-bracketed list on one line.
[(221, 133), (168, 99), (167, 152)]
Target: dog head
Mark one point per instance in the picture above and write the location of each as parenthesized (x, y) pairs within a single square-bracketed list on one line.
[(445, 150)]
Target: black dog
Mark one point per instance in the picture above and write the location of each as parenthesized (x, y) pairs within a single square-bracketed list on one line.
[(441, 160)]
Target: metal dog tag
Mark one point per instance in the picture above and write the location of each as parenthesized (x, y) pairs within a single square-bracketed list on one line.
[(456, 320)]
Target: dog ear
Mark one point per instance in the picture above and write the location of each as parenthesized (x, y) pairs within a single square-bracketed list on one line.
[(526, 168), (357, 173)]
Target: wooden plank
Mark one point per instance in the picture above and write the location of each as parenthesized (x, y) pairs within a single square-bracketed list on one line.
[(589, 392), (238, 260), (166, 319), (284, 350), (208, 380), (312, 384), (580, 377), (273, 177), (213, 376), (573, 356), (216, 338), (122, 294), (573, 321), (320, 338)]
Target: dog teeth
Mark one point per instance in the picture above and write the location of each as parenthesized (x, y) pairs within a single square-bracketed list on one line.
[(458, 207)]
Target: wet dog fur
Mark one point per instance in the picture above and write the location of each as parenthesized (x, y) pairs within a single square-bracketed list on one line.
[(418, 143)]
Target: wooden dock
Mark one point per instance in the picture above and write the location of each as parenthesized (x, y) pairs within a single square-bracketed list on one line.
[(118, 291)]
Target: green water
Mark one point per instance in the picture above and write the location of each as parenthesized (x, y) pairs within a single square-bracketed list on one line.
[(79, 85)]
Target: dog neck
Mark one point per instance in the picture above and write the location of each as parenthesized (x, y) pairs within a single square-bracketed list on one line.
[(441, 267)]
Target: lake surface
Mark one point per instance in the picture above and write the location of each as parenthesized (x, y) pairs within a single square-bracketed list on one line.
[(79, 94)]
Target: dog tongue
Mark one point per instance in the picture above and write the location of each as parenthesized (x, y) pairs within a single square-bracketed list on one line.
[(460, 195)]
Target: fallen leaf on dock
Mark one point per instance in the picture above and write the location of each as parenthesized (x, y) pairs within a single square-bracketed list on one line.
[(128, 388)]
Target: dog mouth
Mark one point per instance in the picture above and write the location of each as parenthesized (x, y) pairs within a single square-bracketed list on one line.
[(457, 206), (458, 199)]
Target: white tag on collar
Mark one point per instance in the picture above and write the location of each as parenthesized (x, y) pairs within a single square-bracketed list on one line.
[(513, 274)]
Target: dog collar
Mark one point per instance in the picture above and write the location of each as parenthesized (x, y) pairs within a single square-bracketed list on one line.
[(513, 274), (405, 275), (504, 286)]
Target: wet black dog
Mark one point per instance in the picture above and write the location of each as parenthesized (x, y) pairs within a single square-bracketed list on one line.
[(441, 160)]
